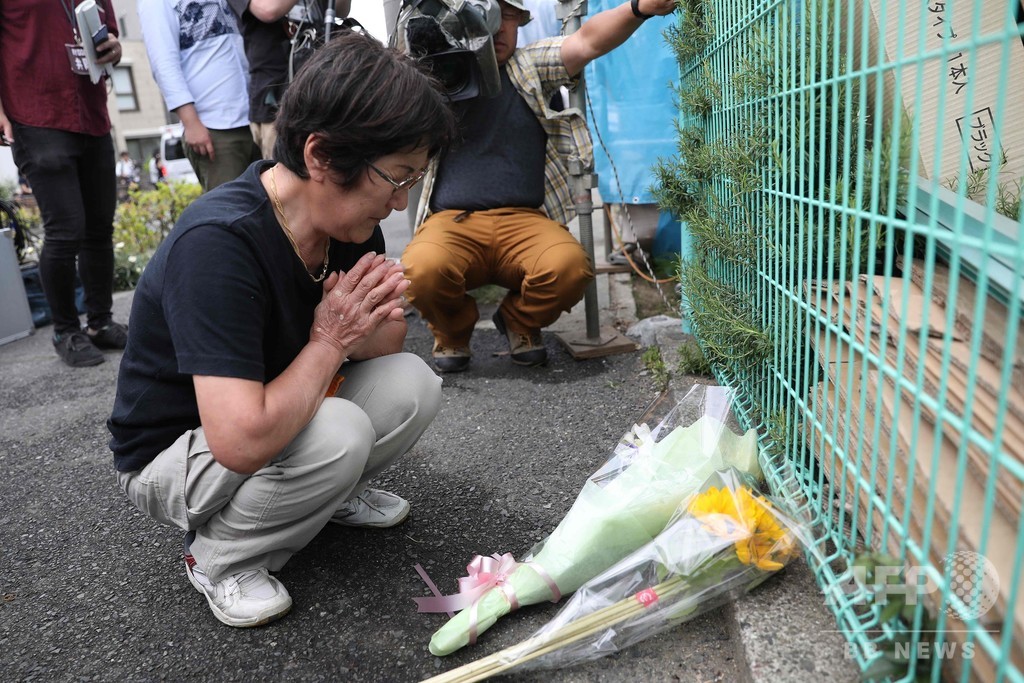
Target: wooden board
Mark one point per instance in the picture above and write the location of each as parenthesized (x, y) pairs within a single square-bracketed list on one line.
[(931, 456), (994, 331)]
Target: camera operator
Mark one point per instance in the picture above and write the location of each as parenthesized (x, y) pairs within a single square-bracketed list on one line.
[(266, 34), (498, 203)]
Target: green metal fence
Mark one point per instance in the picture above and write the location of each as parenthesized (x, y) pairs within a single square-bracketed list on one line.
[(850, 174)]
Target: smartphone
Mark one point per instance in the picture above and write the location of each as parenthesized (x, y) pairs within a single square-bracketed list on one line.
[(100, 36)]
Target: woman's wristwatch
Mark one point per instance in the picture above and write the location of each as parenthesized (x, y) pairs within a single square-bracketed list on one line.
[(635, 6)]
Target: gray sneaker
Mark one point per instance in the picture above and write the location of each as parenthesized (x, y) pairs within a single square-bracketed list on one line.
[(242, 600), (372, 508)]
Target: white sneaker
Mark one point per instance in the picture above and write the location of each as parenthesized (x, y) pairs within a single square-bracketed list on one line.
[(372, 508), (250, 598)]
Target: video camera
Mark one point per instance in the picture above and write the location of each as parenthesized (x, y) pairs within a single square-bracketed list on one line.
[(453, 38), (310, 24)]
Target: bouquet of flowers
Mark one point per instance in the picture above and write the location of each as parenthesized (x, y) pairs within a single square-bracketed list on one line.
[(622, 506), (723, 541)]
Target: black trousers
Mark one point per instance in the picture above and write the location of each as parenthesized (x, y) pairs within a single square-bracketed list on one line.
[(72, 178)]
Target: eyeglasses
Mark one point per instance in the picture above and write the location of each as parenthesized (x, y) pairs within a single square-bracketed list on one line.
[(402, 184)]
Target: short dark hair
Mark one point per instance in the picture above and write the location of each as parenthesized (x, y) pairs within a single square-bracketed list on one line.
[(364, 101)]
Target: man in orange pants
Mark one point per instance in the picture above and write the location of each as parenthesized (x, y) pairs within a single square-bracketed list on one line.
[(498, 203)]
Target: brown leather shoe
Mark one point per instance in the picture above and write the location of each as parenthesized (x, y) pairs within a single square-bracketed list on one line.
[(450, 358), (526, 348)]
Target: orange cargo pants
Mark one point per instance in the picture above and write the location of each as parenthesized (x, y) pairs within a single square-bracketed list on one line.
[(544, 268)]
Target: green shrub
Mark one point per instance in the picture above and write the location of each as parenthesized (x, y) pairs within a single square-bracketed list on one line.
[(655, 365), (141, 224), (692, 361), (31, 224)]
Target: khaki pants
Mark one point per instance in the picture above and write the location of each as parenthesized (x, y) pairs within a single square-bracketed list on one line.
[(233, 151), (538, 260), (245, 521), (264, 135)]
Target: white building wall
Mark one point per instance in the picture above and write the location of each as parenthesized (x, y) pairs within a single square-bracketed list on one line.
[(145, 123)]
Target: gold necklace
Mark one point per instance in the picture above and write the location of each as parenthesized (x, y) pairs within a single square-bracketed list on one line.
[(291, 238)]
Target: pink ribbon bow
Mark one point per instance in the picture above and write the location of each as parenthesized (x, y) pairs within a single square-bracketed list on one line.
[(484, 573)]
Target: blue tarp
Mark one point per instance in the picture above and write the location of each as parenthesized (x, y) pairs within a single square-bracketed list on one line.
[(634, 109)]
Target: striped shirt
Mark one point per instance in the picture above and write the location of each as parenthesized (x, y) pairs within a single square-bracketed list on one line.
[(537, 71)]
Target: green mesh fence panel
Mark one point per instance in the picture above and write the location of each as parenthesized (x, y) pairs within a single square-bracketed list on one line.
[(850, 174)]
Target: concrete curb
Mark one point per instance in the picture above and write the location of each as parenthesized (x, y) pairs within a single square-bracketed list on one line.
[(785, 632)]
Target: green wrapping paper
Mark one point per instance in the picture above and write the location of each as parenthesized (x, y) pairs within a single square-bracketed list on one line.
[(621, 508)]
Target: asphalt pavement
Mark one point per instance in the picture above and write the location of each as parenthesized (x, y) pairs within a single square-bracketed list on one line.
[(91, 589)]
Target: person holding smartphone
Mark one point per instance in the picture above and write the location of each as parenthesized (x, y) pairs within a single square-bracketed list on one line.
[(56, 121), (100, 37)]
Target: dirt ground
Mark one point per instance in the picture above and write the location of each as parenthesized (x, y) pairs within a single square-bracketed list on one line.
[(650, 301)]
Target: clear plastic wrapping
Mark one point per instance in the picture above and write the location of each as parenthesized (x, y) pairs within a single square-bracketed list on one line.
[(723, 540), (622, 508)]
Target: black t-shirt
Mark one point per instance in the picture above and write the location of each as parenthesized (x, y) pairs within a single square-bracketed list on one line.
[(266, 47), (224, 295), (500, 162)]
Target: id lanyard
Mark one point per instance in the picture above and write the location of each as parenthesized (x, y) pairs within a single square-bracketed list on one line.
[(69, 11), (77, 58)]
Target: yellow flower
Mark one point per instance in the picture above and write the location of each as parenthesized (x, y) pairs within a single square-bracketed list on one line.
[(748, 520), (716, 509)]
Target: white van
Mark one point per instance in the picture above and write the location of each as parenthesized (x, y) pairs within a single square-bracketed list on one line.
[(173, 154)]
